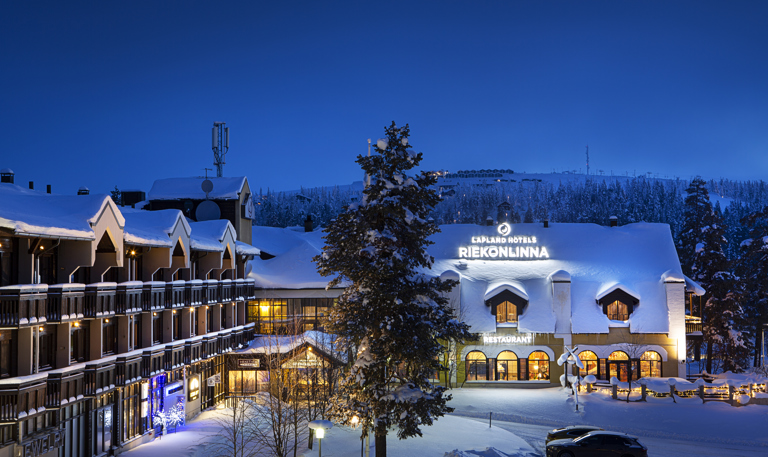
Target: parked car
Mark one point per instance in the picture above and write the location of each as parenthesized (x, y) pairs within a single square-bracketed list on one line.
[(571, 431), (598, 443)]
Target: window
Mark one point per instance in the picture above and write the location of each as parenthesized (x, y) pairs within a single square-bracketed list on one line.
[(157, 329), (506, 312), (477, 366), (538, 366), (8, 273), (506, 366), (589, 360), (618, 311), (109, 337), (618, 366), (46, 351), (6, 353), (650, 365)]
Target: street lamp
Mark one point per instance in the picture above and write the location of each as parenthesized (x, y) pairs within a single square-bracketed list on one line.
[(320, 426)]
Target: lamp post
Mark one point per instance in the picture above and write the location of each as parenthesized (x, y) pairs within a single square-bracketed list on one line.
[(320, 426)]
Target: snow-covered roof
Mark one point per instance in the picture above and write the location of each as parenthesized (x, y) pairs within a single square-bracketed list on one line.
[(597, 258), (32, 213), (283, 344), (152, 228), (209, 235), (225, 188), (246, 249), (637, 258), (694, 287), (292, 267)]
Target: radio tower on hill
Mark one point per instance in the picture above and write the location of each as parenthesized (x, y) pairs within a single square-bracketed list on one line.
[(587, 160)]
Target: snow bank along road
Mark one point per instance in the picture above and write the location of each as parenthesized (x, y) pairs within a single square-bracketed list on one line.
[(687, 427)]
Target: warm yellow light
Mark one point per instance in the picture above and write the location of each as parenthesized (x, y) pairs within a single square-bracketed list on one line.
[(154, 314), (106, 320), (320, 433), (174, 311), (77, 324), (133, 252), (41, 248), (354, 421), (309, 349), (41, 329)]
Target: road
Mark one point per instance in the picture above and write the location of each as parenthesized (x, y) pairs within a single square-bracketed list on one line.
[(657, 447)]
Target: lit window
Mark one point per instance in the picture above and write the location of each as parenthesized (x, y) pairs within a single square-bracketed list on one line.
[(589, 360), (650, 365), (506, 366), (506, 312), (477, 366), (538, 366), (618, 311)]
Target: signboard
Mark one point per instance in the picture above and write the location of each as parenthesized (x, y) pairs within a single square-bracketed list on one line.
[(248, 363), (42, 445), (213, 380), (194, 388), (504, 247), (520, 338)]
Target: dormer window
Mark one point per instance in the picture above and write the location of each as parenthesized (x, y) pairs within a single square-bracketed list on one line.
[(618, 304), (506, 306), (618, 311)]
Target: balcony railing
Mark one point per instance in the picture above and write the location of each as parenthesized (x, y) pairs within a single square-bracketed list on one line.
[(23, 399), (693, 324), (100, 299), (210, 292), (64, 388), (174, 295), (23, 305), (193, 292), (226, 291), (128, 299), (99, 377), (65, 302), (128, 369), (153, 296)]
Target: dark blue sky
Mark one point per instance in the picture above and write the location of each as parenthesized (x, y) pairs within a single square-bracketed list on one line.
[(123, 93)]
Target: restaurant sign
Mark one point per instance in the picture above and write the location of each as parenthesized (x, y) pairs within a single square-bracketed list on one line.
[(520, 338)]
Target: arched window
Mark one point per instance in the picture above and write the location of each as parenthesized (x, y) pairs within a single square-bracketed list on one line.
[(538, 366), (618, 366), (589, 360), (506, 312), (477, 366), (650, 364), (506, 366), (618, 311)]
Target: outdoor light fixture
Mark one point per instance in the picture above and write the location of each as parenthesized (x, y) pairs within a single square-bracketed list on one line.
[(320, 426), (106, 320), (154, 314), (41, 328), (77, 324), (41, 248)]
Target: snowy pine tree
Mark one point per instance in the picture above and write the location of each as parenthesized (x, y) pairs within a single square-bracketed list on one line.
[(727, 344), (753, 268), (392, 314), (698, 211)]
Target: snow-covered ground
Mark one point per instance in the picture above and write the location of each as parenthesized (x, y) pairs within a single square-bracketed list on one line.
[(521, 418)]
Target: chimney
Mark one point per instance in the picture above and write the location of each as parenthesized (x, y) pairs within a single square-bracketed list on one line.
[(546, 223), (83, 191), (308, 223), (48, 188), (32, 185), (6, 175), (489, 221), (614, 221)]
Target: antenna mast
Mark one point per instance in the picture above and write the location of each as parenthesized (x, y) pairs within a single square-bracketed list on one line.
[(587, 160), (220, 146)]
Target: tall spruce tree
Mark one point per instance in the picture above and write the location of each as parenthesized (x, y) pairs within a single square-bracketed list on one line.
[(696, 215), (391, 313), (753, 268)]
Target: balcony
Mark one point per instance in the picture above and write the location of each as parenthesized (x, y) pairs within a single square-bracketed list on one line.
[(174, 294), (64, 388), (23, 305), (100, 299), (22, 399), (210, 292), (152, 361), (210, 346), (128, 368), (99, 377), (193, 293), (153, 296), (226, 291), (239, 289), (193, 351), (693, 326), (128, 299), (174, 356), (65, 302), (250, 289)]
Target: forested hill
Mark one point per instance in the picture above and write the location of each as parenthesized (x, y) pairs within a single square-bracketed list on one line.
[(558, 197)]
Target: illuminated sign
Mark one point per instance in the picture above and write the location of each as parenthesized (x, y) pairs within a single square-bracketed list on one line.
[(521, 338), (248, 363), (505, 247), (194, 388)]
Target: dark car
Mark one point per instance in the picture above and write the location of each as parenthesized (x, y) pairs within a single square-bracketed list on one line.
[(597, 444), (572, 431)]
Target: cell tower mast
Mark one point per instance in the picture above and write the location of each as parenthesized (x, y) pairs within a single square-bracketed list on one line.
[(587, 160), (220, 145)]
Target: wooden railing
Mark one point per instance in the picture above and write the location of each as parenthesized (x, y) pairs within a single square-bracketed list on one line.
[(23, 305)]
